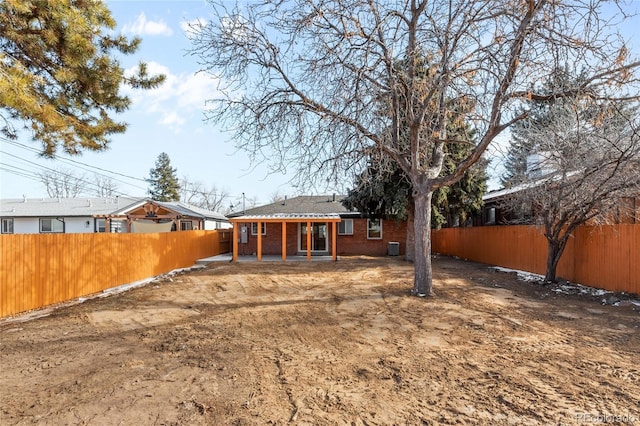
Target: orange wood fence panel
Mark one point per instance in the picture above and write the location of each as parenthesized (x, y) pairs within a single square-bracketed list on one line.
[(605, 257), (37, 270)]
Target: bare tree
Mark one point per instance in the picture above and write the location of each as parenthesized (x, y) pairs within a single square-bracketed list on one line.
[(587, 162), (206, 197), (63, 183), (316, 84), (275, 197), (104, 186)]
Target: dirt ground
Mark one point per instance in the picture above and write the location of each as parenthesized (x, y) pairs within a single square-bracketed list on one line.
[(325, 344)]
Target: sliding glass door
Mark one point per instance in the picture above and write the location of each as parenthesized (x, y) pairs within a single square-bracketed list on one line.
[(319, 238)]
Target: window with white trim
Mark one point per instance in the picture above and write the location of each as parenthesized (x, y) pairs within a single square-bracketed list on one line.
[(101, 225), (254, 228), (7, 226), (374, 229), (51, 226), (186, 225), (345, 227), (118, 226), (490, 216)]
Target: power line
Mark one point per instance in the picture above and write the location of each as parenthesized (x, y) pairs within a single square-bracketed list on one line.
[(69, 160), (89, 168), (29, 174)]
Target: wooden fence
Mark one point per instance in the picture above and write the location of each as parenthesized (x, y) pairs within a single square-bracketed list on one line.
[(37, 270), (605, 257)]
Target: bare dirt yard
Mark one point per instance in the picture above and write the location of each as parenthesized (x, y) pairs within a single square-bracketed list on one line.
[(325, 344)]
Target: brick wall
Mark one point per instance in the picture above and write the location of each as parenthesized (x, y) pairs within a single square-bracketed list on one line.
[(358, 244), (348, 245)]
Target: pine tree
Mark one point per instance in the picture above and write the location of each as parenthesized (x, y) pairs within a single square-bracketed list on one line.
[(59, 75), (383, 190), (523, 142), (163, 179), (520, 148)]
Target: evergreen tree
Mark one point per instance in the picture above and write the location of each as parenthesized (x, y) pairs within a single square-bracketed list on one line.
[(384, 191), (457, 203), (523, 141), (163, 179), (520, 148), (58, 74)]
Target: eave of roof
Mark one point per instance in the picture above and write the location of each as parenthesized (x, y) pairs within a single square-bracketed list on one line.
[(302, 204), (288, 217)]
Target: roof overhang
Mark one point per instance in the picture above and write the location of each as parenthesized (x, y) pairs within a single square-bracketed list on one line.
[(288, 217)]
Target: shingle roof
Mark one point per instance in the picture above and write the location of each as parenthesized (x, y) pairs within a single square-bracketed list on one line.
[(297, 217), (304, 204), (83, 206), (190, 210), (176, 206), (68, 207)]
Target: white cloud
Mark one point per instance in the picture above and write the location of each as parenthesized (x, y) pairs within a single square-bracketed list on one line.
[(173, 121), (193, 26), (143, 27), (181, 97)]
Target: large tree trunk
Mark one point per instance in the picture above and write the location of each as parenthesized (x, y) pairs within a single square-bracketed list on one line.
[(410, 240), (423, 279)]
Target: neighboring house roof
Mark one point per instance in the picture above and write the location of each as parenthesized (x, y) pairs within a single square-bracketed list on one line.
[(526, 185), (83, 206), (59, 207), (176, 206), (309, 205), (193, 211)]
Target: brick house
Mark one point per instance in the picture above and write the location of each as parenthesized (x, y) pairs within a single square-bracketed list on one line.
[(334, 230)]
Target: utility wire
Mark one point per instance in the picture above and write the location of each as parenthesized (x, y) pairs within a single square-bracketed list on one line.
[(89, 167)]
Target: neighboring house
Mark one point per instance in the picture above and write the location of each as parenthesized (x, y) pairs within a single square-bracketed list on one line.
[(160, 216), (109, 214), (281, 228), (494, 211)]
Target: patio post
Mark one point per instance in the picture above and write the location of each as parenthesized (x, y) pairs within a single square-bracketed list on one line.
[(309, 230), (334, 242), (259, 225), (284, 241), (235, 242)]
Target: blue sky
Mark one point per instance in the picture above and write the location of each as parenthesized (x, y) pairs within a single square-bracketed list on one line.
[(168, 119)]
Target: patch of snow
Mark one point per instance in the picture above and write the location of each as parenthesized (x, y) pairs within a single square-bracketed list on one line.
[(580, 289), (567, 288), (522, 275)]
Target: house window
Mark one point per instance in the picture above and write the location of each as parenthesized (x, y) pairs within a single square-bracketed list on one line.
[(101, 225), (374, 229), (186, 226), (254, 228), (117, 226), (345, 227), (50, 225), (7, 226), (491, 216)]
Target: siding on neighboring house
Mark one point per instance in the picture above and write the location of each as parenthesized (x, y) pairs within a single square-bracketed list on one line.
[(82, 215)]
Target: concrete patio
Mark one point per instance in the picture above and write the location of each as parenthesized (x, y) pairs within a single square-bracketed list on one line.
[(227, 257)]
